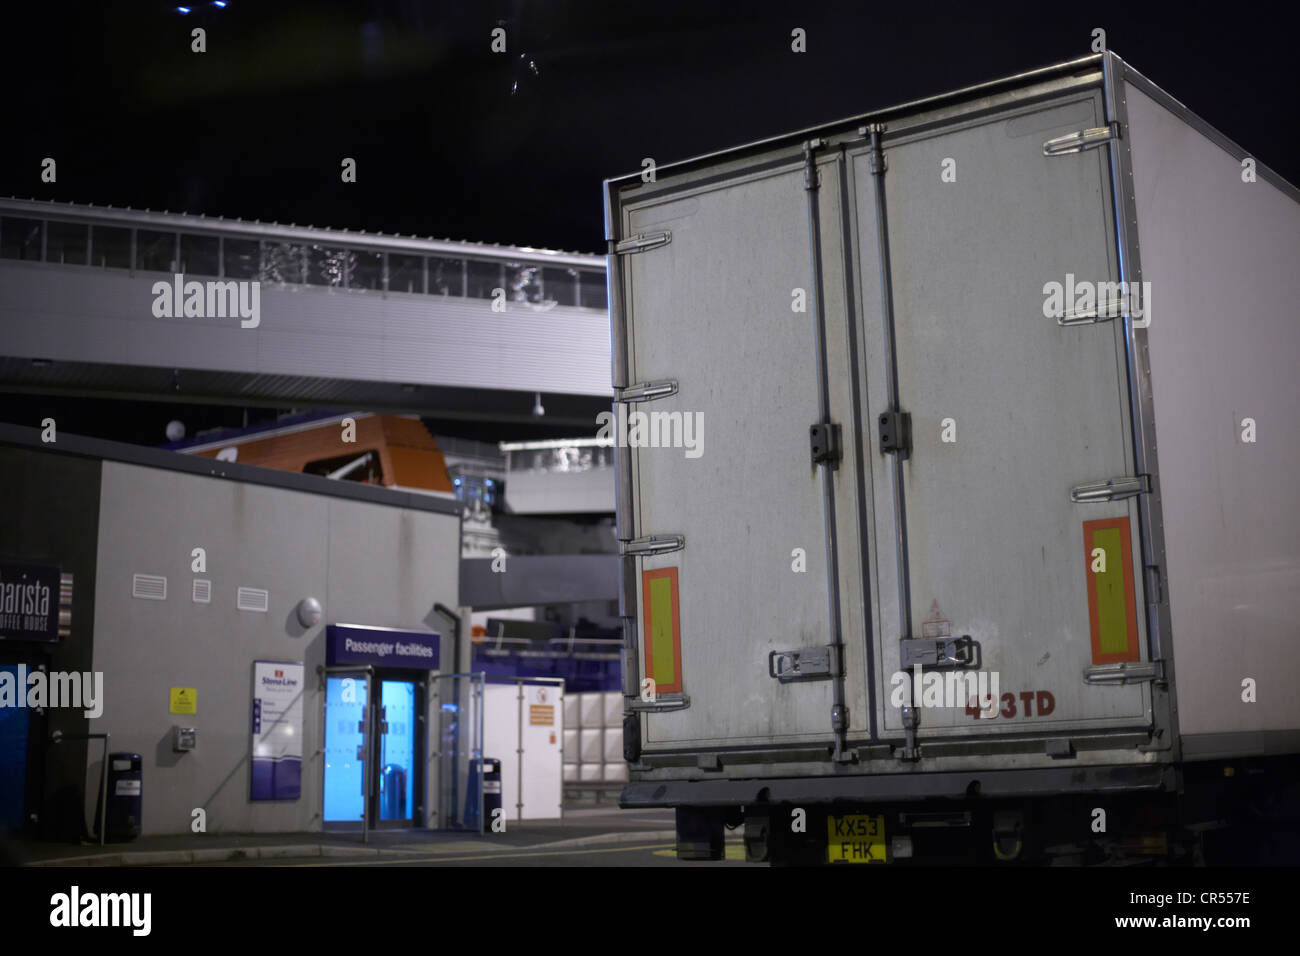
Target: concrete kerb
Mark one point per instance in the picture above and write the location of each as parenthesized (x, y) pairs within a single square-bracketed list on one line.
[(605, 839), (216, 855)]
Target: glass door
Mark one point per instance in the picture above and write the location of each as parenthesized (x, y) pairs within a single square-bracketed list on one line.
[(346, 759), (395, 760)]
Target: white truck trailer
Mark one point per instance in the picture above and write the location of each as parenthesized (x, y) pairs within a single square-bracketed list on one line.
[(959, 480)]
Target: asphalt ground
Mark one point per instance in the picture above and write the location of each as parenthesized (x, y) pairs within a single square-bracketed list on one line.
[(602, 836)]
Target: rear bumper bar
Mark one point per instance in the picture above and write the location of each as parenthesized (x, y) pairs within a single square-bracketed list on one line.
[(896, 787)]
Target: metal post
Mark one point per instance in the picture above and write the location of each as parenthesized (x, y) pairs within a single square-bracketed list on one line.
[(519, 752), (559, 706), (482, 702), (103, 794), (454, 618)]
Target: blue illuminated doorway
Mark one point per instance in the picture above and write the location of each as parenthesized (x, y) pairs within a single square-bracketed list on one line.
[(14, 723), (374, 737), (345, 749), (397, 749)]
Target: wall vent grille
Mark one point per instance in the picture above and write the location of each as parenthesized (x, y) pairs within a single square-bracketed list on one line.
[(253, 599), (151, 587)]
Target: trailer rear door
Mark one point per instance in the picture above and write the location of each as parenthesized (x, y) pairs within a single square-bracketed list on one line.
[(1010, 410), (720, 304)]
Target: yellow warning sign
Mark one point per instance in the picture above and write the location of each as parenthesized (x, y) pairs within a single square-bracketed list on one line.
[(185, 700), (541, 715)]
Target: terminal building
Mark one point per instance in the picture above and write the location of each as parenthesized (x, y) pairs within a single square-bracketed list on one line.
[(278, 612)]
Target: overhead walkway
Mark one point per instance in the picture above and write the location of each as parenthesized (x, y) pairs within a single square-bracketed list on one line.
[(90, 304)]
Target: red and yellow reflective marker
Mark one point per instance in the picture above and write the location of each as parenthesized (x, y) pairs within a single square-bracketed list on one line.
[(1111, 605), (662, 640)]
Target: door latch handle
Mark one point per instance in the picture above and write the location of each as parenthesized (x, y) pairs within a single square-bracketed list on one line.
[(961, 651), (808, 663)]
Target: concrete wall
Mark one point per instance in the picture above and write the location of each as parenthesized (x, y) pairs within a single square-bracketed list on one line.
[(366, 563)]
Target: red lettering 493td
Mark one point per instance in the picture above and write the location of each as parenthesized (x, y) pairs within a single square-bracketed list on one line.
[(1029, 703)]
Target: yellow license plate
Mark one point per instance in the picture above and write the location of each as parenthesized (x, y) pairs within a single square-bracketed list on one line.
[(856, 838)]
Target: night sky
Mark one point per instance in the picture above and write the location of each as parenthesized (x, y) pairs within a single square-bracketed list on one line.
[(453, 140)]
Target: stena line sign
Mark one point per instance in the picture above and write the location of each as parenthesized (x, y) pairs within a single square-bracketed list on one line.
[(29, 602)]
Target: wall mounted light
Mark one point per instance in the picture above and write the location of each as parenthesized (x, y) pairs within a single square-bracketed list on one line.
[(308, 611)]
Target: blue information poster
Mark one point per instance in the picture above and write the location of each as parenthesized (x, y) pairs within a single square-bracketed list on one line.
[(277, 730)]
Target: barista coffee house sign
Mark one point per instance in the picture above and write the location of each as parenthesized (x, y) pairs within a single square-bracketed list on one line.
[(29, 602)]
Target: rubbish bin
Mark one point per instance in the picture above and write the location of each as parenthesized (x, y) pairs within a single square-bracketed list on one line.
[(392, 796), (491, 793), (125, 798)]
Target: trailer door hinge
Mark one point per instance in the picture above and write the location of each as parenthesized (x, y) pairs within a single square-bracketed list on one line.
[(896, 433), (1112, 306), (807, 663), (659, 705), (1155, 590), (646, 391), (1080, 140), (825, 442), (653, 544), (647, 240), (1112, 489), (1129, 672)]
